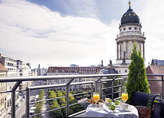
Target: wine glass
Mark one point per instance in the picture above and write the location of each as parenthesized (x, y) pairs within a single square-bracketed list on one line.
[(124, 97), (96, 97)]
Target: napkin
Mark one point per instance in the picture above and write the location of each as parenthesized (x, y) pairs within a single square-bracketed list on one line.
[(92, 111)]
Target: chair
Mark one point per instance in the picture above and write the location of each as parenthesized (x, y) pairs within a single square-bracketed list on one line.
[(158, 111), (144, 104)]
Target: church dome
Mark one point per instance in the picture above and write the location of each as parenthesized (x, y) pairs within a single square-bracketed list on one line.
[(130, 17)]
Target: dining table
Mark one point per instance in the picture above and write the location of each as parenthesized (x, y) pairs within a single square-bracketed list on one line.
[(104, 111)]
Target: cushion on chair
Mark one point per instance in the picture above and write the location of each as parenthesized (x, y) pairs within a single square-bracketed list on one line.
[(140, 99)]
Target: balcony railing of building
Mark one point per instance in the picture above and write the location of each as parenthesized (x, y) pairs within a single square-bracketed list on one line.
[(130, 33), (115, 86)]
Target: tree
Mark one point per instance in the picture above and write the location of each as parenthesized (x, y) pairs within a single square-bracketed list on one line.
[(62, 100), (55, 113), (51, 95), (137, 78), (39, 105), (71, 98)]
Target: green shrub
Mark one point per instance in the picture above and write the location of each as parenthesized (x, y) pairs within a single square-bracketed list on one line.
[(137, 78)]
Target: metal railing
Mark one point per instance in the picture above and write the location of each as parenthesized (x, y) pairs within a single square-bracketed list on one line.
[(158, 78), (98, 79), (138, 33), (97, 85)]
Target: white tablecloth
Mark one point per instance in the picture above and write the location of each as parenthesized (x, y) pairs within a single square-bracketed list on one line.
[(104, 111)]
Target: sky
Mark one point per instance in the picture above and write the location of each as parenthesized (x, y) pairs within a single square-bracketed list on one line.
[(82, 32)]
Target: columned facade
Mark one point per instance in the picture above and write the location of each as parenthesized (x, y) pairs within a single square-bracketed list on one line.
[(130, 33)]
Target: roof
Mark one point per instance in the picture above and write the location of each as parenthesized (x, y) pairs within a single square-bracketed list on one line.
[(2, 68), (157, 62), (73, 69), (108, 71), (130, 17), (155, 69)]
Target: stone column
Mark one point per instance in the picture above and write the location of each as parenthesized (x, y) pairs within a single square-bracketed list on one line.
[(120, 51), (117, 50)]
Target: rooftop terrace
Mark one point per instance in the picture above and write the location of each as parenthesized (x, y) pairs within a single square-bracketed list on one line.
[(76, 87)]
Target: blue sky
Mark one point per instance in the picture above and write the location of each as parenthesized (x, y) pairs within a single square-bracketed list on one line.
[(104, 10), (83, 32), (100, 9)]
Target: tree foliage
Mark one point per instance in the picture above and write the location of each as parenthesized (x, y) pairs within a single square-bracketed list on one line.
[(137, 78), (55, 113), (39, 105), (60, 102), (51, 95), (53, 104)]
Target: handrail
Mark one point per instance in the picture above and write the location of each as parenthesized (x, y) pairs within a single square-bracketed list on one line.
[(96, 77), (155, 74), (37, 78)]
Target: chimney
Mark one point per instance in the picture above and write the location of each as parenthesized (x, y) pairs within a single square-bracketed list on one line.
[(102, 63), (110, 62)]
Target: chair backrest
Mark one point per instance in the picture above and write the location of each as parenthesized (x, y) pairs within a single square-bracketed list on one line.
[(158, 111), (162, 108), (140, 99), (144, 99)]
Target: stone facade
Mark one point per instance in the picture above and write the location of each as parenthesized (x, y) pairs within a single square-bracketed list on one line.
[(129, 34)]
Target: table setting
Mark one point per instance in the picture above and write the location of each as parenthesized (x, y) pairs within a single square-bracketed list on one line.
[(109, 108)]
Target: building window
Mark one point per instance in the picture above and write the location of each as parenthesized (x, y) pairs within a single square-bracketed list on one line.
[(125, 70), (124, 29), (135, 28), (130, 28)]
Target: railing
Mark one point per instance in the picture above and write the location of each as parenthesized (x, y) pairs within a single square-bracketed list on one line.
[(157, 81), (130, 33), (97, 85)]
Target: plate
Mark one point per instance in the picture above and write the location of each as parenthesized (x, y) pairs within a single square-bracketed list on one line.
[(124, 110)]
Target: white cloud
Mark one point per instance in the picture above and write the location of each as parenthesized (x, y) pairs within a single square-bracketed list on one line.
[(34, 33), (84, 7), (152, 18)]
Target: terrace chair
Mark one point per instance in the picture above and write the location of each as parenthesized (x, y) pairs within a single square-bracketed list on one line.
[(158, 111), (144, 104)]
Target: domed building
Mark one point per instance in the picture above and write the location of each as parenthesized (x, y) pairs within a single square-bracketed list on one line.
[(129, 33)]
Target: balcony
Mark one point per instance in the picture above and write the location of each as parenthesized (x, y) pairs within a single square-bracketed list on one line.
[(77, 87), (130, 33)]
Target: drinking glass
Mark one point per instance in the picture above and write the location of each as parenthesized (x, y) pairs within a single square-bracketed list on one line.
[(124, 97), (96, 97)]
